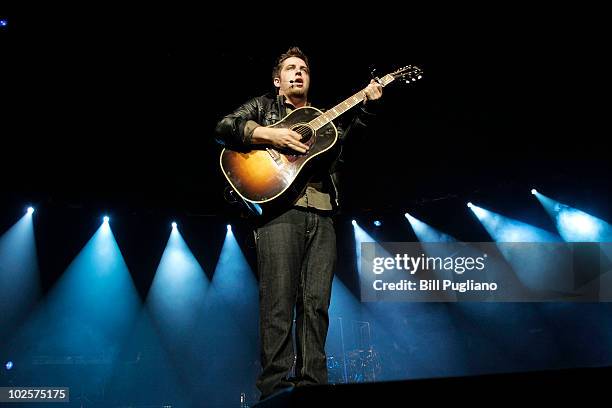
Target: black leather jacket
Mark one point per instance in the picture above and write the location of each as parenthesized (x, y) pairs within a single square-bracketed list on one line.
[(269, 109)]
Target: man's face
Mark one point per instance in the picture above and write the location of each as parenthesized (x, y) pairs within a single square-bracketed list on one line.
[(294, 69)]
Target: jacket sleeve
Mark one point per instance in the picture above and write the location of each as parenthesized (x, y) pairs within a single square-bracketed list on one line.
[(352, 130), (353, 126), (229, 131)]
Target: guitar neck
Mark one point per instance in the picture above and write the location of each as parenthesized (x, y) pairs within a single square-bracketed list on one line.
[(345, 105)]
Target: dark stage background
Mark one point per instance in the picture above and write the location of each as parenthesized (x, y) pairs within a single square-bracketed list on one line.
[(116, 108)]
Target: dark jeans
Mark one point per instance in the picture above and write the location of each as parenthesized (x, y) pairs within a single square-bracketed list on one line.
[(296, 257)]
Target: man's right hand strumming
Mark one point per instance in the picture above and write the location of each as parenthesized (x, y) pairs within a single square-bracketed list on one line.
[(279, 137)]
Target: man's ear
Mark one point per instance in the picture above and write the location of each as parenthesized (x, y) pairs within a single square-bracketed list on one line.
[(277, 82)]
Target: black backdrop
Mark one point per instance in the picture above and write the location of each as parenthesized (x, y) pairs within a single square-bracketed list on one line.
[(115, 108)]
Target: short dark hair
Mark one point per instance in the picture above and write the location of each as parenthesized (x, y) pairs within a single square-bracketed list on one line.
[(291, 52)]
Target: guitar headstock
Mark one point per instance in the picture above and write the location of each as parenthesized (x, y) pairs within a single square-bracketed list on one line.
[(409, 73)]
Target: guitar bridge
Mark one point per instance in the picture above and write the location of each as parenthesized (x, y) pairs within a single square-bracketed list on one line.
[(275, 156)]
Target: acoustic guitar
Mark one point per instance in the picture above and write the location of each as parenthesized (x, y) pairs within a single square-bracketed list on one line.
[(267, 174)]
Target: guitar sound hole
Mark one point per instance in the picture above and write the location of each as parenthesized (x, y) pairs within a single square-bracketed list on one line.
[(306, 132)]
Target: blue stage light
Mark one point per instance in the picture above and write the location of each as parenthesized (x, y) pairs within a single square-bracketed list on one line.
[(30, 210), (174, 225), (8, 365), (426, 233), (580, 223), (377, 223), (106, 219), (505, 229), (575, 225)]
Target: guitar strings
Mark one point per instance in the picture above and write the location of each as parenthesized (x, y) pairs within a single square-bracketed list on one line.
[(303, 129)]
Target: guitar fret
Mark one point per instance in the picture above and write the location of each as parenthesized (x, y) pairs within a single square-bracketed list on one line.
[(345, 105)]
